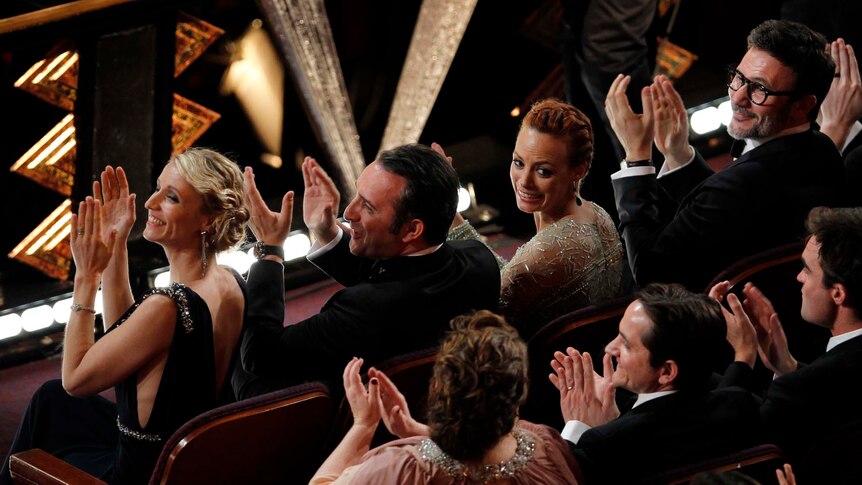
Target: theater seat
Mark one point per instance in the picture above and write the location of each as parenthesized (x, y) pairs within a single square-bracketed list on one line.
[(759, 462), (273, 438), (588, 330), (833, 458)]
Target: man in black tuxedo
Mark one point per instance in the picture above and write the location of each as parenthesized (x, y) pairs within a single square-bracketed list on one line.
[(669, 341), (687, 223), (804, 403), (403, 281)]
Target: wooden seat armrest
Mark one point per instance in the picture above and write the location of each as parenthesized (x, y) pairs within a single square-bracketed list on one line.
[(39, 467)]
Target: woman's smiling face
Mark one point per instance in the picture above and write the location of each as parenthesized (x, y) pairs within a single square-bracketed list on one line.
[(174, 211), (542, 177)]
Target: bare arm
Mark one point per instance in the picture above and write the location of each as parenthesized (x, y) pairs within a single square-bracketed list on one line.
[(88, 366)]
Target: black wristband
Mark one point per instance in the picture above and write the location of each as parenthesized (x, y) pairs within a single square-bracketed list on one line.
[(261, 250), (638, 163)]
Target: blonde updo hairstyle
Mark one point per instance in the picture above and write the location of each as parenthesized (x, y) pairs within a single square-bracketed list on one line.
[(478, 383), (219, 182)]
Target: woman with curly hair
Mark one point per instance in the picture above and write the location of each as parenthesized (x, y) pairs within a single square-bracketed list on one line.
[(169, 354), (473, 433)]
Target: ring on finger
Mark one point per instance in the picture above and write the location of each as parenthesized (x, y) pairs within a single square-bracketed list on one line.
[(80, 231)]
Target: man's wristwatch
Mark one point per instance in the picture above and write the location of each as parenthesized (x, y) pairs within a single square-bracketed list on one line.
[(638, 163), (261, 250)]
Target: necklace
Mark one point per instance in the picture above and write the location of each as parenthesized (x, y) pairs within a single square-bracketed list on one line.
[(430, 452)]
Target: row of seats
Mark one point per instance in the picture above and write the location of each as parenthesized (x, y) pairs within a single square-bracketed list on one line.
[(283, 436)]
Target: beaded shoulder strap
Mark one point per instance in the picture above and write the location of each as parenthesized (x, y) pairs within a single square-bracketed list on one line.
[(175, 292)]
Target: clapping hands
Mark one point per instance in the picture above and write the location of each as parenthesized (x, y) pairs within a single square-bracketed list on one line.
[(584, 395), (754, 324), (90, 249), (394, 409), (635, 131), (663, 121), (267, 226), (118, 205), (842, 106), (365, 404)]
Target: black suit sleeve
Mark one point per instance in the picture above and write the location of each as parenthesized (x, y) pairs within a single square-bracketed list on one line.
[(341, 265), (666, 241)]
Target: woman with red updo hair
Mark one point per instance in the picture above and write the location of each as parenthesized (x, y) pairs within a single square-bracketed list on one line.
[(576, 258)]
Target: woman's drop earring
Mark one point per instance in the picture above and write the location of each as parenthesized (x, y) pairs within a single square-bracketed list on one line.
[(203, 253)]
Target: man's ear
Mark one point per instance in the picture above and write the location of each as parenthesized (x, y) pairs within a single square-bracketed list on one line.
[(839, 294), (412, 230), (668, 373), (806, 103)]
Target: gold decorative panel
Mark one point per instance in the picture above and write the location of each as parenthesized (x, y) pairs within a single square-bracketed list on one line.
[(672, 60), (47, 247), (53, 79), (194, 36), (190, 120), (51, 161)]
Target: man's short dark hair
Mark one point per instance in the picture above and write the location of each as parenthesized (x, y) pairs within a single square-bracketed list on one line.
[(839, 233), (687, 328), (802, 50), (431, 193)]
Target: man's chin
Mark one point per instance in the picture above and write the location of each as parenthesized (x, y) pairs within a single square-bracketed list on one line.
[(737, 133)]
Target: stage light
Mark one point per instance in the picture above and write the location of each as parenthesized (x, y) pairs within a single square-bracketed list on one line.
[(237, 260), (296, 246), (516, 111), (303, 32), (463, 199), (162, 280), (37, 318), (62, 310), (47, 247), (725, 112), (98, 305), (705, 120), (10, 325)]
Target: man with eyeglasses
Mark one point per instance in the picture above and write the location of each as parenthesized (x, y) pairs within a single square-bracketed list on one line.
[(686, 223)]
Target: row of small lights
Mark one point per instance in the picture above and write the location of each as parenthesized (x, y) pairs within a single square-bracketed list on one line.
[(40, 317), (43, 316)]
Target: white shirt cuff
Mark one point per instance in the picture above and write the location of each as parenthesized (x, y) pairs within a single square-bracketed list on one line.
[(632, 172), (574, 430), (855, 129), (664, 170), (317, 250)]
